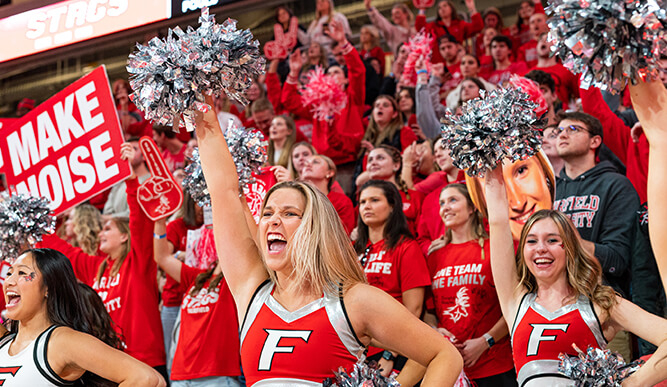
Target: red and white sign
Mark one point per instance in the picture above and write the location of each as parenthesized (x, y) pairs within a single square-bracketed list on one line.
[(4, 123), (68, 148), (73, 21), (160, 195)]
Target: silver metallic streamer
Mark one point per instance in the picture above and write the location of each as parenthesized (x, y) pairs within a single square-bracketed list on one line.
[(171, 76), (363, 375), (610, 42), (248, 149), (597, 368), (23, 221), (194, 182), (502, 124)]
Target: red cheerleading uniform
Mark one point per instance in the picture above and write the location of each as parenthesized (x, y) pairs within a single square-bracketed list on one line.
[(466, 302), (131, 296), (299, 348), (539, 336), (208, 317)]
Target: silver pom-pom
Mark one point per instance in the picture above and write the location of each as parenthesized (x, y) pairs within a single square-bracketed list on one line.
[(363, 375), (248, 149), (170, 76), (597, 368), (502, 124), (610, 42), (194, 182), (23, 221)]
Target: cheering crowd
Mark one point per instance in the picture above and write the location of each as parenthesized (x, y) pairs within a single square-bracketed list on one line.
[(361, 238)]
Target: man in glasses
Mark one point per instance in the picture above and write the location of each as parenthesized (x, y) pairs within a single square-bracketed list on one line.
[(601, 203)]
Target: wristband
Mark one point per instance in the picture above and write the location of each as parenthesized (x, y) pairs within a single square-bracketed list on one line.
[(422, 71), (489, 340), (345, 46), (386, 355), (159, 236)]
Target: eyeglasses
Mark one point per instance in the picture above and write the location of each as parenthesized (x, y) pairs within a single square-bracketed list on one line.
[(571, 129)]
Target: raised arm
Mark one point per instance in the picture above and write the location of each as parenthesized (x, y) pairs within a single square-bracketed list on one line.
[(241, 261), (649, 101), (628, 316), (502, 248), (376, 315), (163, 251)]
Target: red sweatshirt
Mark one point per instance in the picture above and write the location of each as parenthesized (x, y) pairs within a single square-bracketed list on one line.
[(131, 296), (341, 139), (460, 29), (617, 138)]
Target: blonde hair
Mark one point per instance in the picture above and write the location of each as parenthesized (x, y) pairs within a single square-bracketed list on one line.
[(476, 224), (332, 168), (406, 10), (584, 273), (285, 156), (318, 15), (477, 192), (320, 250), (87, 224), (123, 225), (375, 34), (293, 173)]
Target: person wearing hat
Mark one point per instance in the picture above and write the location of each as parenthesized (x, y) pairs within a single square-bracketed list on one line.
[(24, 106)]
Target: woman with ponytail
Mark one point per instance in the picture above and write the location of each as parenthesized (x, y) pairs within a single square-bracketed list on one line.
[(208, 316), (385, 163), (466, 306), (125, 276), (58, 336), (391, 258)]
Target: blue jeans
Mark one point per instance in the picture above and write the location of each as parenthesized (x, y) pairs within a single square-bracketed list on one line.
[(211, 381), (168, 315)]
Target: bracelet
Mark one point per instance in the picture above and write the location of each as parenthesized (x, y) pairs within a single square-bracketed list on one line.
[(156, 236), (422, 71)]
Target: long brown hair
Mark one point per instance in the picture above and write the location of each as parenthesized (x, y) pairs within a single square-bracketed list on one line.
[(476, 222), (123, 225), (201, 279), (395, 156), (584, 273), (285, 156), (373, 133)]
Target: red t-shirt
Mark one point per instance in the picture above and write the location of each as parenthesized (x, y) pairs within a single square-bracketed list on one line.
[(429, 223), (345, 209), (397, 270), (412, 207), (466, 302), (131, 297), (456, 78), (207, 319), (177, 234), (567, 84), (375, 52), (174, 161), (528, 53), (498, 77)]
